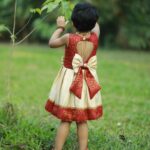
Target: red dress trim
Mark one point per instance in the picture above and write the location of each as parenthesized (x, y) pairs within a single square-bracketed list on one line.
[(73, 114)]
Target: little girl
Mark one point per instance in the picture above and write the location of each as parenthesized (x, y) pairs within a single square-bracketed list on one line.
[(75, 93)]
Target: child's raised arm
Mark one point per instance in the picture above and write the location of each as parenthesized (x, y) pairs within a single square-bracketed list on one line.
[(96, 29), (55, 40)]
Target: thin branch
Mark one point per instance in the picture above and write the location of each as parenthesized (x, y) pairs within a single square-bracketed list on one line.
[(31, 31), (10, 58), (7, 29), (25, 37), (14, 23), (25, 25)]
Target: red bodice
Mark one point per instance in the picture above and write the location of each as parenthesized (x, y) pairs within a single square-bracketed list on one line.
[(71, 50), (76, 113)]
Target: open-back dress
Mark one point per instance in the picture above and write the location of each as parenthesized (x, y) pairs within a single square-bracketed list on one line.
[(75, 93)]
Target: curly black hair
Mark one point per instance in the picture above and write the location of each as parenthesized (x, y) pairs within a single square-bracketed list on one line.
[(84, 16)]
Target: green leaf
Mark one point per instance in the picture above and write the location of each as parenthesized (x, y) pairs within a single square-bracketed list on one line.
[(44, 7), (36, 10), (50, 6), (48, 1), (67, 7), (58, 1), (32, 10)]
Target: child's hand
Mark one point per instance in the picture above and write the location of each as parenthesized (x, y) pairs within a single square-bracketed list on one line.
[(61, 21)]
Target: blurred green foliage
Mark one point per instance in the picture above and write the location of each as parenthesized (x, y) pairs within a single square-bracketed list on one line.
[(123, 23), (44, 30)]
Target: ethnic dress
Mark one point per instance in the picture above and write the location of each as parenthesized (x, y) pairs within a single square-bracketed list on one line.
[(75, 94)]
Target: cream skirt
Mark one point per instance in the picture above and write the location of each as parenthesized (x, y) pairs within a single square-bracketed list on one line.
[(63, 104)]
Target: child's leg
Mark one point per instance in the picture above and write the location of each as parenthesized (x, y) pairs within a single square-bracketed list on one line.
[(82, 132), (62, 133)]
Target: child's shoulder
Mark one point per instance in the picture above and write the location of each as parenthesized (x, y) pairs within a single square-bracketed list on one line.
[(68, 37), (72, 36)]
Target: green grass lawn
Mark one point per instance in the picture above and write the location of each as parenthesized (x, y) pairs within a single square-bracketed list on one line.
[(25, 125)]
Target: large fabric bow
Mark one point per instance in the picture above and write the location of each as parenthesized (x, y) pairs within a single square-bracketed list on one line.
[(78, 65)]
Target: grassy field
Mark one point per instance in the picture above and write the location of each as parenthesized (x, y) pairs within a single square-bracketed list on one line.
[(25, 125)]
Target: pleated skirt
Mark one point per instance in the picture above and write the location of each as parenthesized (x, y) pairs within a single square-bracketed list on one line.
[(64, 105)]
